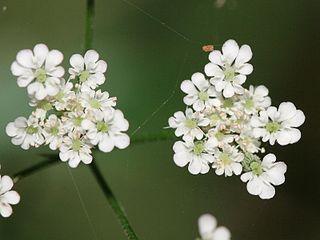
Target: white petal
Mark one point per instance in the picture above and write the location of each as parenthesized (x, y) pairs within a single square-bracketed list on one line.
[(6, 184), (222, 233), (254, 186), (207, 224), (230, 50), (296, 121), (77, 62), (181, 159), (284, 137), (276, 173), (195, 166), (216, 57), (40, 52), (287, 110), (213, 70), (188, 87), (198, 105), (11, 197), (106, 145), (91, 56), (6, 210), (121, 140), (199, 80), (244, 55), (228, 90), (25, 58), (11, 130), (54, 58), (101, 66), (268, 191), (245, 69)]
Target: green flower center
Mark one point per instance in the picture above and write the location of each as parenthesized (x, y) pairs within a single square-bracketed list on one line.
[(229, 73), (95, 103), (203, 96), (225, 158), (273, 127), (103, 127), (76, 145), (249, 104), (256, 168), (190, 123), (54, 131), (84, 75), (214, 118), (198, 148), (31, 130), (45, 105), (228, 103), (219, 136), (41, 75), (60, 96), (77, 121)]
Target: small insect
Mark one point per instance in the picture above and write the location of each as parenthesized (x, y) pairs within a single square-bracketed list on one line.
[(207, 48)]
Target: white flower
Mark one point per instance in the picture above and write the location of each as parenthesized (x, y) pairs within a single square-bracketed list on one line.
[(38, 70), (209, 231), (188, 125), (247, 142), (7, 196), (97, 100), (229, 68), (107, 130), (65, 97), (255, 99), (200, 93), (263, 175), (73, 121), (228, 161), (25, 132), (74, 150), (89, 69), (278, 125), (53, 132), (220, 137), (195, 154)]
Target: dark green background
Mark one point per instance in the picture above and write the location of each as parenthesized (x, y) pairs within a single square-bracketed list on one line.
[(145, 61)]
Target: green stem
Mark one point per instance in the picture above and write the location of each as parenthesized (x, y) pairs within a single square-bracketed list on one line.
[(89, 25), (114, 203)]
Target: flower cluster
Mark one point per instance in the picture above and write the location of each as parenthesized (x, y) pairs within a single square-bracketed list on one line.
[(70, 115), (209, 231), (225, 125), (8, 197)]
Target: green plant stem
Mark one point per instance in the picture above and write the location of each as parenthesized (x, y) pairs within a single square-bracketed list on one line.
[(89, 25), (114, 203)]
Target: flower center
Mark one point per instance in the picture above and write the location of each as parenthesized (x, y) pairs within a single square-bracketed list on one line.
[(31, 130), (45, 105), (76, 145), (190, 123), (60, 96), (95, 103), (248, 104), (228, 103), (256, 168), (229, 73), (219, 136), (41, 75), (203, 96), (77, 121), (273, 127), (198, 148), (54, 131), (225, 158), (84, 75), (103, 127)]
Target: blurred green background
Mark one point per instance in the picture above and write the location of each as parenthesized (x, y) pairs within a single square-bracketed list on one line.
[(145, 61)]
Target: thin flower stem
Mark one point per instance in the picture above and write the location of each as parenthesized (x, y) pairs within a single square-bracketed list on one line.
[(89, 25), (114, 203)]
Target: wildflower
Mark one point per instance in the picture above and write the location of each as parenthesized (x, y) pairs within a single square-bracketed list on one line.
[(38, 70), (200, 93), (209, 231), (229, 68), (8, 197), (263, 175), (89, 69), (279, 124)]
